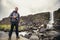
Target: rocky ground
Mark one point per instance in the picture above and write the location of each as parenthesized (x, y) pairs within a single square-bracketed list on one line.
[(4, 36), (29, 35)]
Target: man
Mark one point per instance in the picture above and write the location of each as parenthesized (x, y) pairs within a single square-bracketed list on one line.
[(14, 19)]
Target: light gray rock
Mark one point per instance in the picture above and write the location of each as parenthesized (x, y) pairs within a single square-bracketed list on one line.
[(34, 37)]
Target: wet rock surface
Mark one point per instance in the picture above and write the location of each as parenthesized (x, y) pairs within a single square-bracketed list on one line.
[(47, 34), (4, 36)]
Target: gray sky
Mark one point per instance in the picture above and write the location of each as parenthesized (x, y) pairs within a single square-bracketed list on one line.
[(27, 7)]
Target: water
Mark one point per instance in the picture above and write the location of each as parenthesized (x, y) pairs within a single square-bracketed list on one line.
[(5, 34), (22, 33), (50, 24)]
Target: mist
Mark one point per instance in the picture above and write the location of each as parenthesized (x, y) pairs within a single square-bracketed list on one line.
[(27, 7)]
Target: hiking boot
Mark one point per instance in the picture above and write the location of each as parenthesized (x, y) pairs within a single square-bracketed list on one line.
[(9, 38), (17, 37)]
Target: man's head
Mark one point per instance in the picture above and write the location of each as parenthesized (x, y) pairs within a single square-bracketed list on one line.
[(16, 8)]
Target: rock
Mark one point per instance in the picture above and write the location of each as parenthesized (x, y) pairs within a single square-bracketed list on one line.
[(34, 37), (28, 35)]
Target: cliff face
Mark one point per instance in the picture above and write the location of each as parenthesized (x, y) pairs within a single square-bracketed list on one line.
[(57, 19), (38, 18), (5, 21), (57, 14)]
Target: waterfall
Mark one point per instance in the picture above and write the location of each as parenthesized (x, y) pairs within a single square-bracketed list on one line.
[(51, 17), (50, 24)]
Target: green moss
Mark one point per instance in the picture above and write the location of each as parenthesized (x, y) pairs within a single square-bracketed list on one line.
[(7, 27)]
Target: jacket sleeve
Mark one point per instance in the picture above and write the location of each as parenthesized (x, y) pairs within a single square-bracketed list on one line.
[(18, 17)]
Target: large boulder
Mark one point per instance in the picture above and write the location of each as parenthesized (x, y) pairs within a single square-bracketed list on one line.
[(34, 37)]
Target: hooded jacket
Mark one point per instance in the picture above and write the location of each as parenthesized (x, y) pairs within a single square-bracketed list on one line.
[(14, 13)]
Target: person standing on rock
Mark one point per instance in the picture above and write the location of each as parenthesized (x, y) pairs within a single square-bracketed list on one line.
[(14, 20)]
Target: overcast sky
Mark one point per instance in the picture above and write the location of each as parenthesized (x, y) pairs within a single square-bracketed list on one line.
[(27, 7)]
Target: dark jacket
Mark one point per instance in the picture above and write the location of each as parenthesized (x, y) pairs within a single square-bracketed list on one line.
[(14, 13)]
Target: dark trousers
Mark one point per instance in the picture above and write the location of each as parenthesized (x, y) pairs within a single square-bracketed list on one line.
[(13, 24)]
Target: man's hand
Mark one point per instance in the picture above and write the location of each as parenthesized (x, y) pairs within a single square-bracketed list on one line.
[(14, 16)]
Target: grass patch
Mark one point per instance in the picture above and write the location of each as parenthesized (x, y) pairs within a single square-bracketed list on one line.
[(7, 27)]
